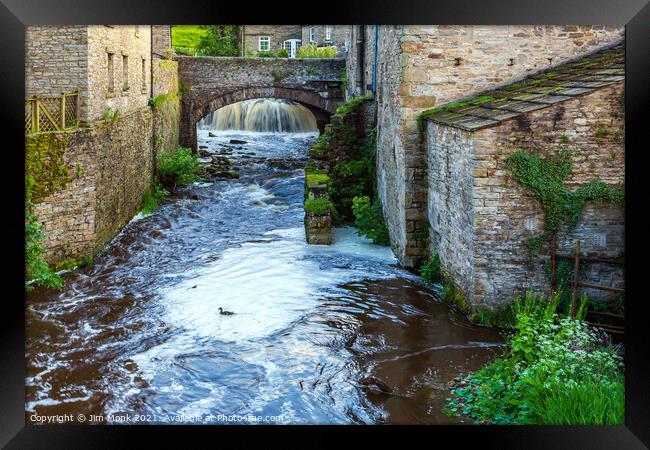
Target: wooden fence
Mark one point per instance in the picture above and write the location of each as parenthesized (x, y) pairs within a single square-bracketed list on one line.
[(47, 114)]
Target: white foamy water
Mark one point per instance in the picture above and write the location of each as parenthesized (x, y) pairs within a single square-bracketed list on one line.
[(268, 285)]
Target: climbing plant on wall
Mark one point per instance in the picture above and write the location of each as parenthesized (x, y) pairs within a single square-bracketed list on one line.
[(545, 179), (45, 173)]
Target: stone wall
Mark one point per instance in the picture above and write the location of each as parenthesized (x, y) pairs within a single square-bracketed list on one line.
[(111, 168), (124, 171), (210, 83), (161, 41), (166, 114), (56, 61), (474, 187), (451, 215), (277, 33), (362, 38), (420, 67), (132, 41)]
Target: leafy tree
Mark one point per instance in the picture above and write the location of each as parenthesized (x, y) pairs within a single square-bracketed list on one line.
[(221, 40)]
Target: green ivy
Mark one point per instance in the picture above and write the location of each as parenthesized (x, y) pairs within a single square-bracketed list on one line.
[(545, 178)]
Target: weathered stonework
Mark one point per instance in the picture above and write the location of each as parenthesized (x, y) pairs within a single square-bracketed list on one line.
[(133, 42), (111, 166), (111, 162), (421, 67), (75, 58), (209, 83), (479, 214), (166, 117)]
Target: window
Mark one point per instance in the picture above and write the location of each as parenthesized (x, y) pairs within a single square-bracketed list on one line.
[(144, 75), (312, 35), (125, 73), (328, 32), (111, 73), (265, 44)]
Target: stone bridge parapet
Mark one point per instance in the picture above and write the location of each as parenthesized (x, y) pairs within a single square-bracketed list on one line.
[(209, 83)]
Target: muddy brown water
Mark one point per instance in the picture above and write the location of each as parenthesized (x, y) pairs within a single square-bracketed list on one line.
[(315, 330)]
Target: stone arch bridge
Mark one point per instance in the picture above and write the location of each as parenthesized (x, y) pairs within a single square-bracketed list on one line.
[(209, 83)]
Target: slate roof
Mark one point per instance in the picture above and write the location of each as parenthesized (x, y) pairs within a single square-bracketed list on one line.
[(539, 91)]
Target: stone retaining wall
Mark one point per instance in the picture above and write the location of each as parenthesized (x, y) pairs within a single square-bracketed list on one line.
[(111, 166), (481, 217)]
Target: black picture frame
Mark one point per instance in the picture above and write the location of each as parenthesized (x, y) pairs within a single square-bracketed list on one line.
[(634, 14)]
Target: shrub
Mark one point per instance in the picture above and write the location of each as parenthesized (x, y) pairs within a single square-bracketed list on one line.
[(36, 269), (318, 206), (153, 198), (265, 54), (283, 53), (110, 115), (369, 220), (311, 51), (430, 270), (316, 178), (178, 168), (548, 374)]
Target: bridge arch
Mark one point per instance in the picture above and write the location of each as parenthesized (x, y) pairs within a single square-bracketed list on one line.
[(319, 106), (210, 83)]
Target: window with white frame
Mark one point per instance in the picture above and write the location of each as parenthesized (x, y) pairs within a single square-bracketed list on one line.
[(328, 32), (265, 44), (312, 35)]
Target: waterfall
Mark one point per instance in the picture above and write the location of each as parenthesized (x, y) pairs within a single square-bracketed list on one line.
[(263, 114)]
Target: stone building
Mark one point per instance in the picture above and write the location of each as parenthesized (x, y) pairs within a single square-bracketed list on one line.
[(421, 67), (481, 219), (328, 35), (116, 70), (273, 38)]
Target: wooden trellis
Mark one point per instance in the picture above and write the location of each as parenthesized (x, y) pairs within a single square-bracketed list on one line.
[(47, 114)]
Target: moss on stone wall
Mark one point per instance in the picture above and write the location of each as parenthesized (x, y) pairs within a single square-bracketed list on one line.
[(45, 170)]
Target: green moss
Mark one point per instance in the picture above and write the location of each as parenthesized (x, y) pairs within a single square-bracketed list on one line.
[(454, 106), (71, 263), (564, 139), (451, 294), (316, 178), (318, 206), (45, 170), (349, 106)]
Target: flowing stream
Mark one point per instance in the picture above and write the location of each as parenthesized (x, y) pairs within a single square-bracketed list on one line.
[(139, 332)]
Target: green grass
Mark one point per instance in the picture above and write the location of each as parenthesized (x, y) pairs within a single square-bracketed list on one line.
[(185, 38)]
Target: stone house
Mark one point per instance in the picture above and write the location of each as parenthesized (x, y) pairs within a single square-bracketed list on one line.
[(422, 67), (328, 35), (480, 218), (116, 70), (258, 38)]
